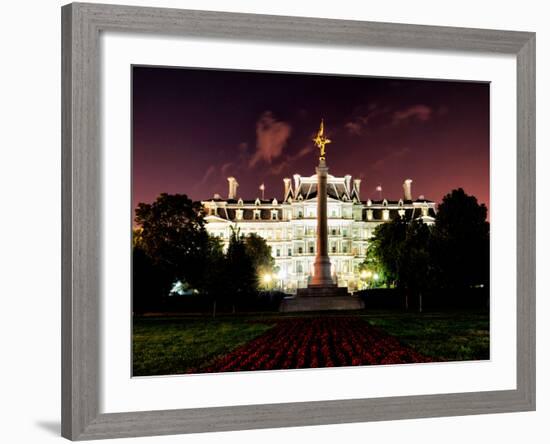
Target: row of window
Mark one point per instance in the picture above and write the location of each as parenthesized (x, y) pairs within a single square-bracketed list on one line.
[(311, 250), (338, 267)]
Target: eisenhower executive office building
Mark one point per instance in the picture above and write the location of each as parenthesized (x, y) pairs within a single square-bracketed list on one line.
[(289, 226)]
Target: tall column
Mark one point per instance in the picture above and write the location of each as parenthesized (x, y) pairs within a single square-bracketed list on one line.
[(321, 266)]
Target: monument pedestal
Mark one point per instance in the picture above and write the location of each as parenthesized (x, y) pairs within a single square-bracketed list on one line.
[(321, 298)]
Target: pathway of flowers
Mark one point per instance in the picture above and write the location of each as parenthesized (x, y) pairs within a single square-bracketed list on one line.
[(317, 342)]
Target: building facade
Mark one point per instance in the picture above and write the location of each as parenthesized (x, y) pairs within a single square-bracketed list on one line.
[(289, 226)]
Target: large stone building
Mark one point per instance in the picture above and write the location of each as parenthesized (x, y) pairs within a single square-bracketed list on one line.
[(289, 225)]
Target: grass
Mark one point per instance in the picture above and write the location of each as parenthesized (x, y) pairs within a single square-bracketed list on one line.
[(449, 336), (175, 344), (168, 346)]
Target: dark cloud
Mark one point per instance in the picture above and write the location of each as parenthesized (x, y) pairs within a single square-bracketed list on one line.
[(393, 155), (290, 160), (354, 128), (420, 113), (271, 137)]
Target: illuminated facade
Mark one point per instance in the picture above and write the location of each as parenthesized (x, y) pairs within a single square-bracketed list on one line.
[(289, 226)]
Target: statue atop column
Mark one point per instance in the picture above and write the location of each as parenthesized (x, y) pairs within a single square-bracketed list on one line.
[(321, 141)]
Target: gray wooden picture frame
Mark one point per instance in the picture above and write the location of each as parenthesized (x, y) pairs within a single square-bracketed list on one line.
[(81, 172)]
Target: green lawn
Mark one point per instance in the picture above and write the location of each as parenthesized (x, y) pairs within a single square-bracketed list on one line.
[(450, 336), (176, 344), (164, 346)]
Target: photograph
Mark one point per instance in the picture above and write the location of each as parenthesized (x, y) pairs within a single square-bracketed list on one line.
[(274, 222), (284, 221)]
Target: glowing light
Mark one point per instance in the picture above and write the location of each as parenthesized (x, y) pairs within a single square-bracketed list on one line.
[(376, 276), (281, 275), (366, 274), (267, 278)]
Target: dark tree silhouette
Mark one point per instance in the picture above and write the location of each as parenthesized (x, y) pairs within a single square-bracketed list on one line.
[(461, 241), (241, 279), (173, 235)]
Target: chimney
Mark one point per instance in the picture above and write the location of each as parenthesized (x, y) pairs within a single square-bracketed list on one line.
[(407, 195), (347, 179), (286, 180), (357, 187), (233, 184), (297, 178)]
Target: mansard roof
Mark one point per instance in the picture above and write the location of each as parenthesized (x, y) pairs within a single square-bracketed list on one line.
[(335, 190)]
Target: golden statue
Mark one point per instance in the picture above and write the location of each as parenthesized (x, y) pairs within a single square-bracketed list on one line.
[(320, 141)]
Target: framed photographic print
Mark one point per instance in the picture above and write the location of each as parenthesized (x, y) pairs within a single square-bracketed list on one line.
[(279, 221)]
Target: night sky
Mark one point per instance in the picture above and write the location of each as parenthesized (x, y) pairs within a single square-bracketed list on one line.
[(193, 128)]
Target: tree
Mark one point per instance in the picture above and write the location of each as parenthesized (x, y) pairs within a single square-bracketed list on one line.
[(215, 275), (174, 237), (386, 248), (260, 254), (373, 268), (416, 263), (402, 250), (241, 275), (461, 241), (151, 282)]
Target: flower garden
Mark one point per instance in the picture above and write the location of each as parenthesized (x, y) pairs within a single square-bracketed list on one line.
[(316, 342)]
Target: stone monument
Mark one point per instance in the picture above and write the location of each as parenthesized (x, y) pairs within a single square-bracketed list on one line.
[(322, 293)]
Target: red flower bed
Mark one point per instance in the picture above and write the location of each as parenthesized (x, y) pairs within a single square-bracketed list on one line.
[(316, 342)]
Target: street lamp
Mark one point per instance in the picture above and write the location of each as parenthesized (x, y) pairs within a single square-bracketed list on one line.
[(365, 275), (267, 278)]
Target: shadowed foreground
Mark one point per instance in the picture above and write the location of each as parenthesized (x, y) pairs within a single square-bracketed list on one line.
[(316, 342)]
